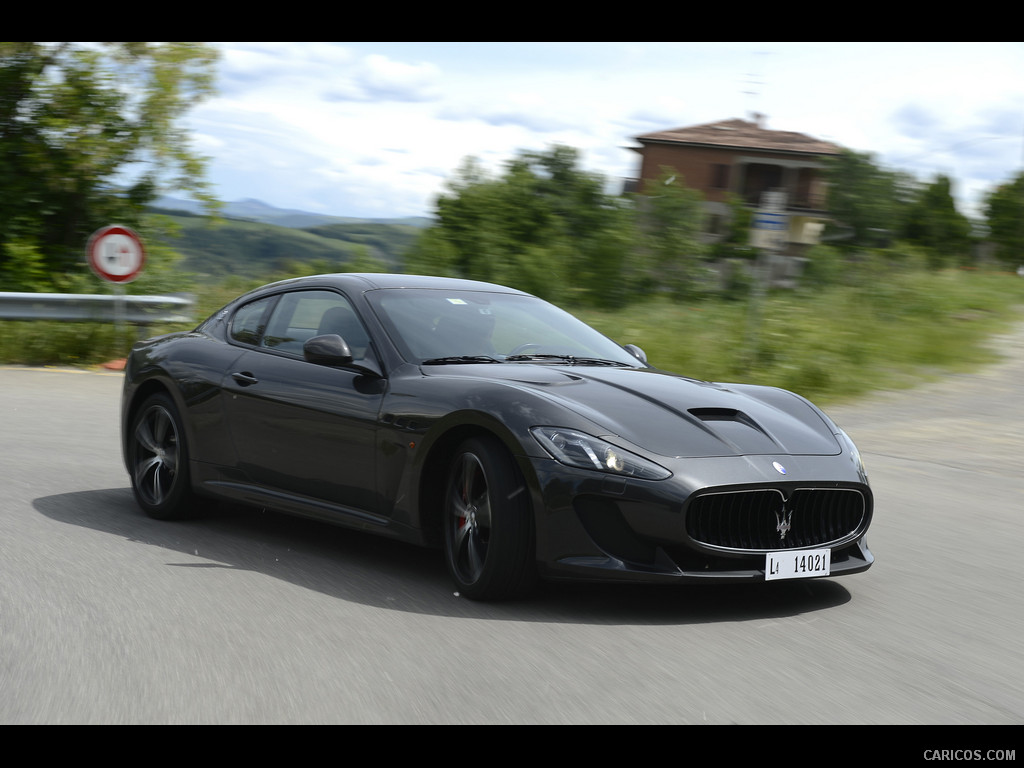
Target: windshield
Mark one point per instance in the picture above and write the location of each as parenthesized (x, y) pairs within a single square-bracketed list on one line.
[(436, 325)]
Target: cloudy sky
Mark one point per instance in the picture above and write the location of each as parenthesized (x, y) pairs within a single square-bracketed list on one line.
[(375, 129)]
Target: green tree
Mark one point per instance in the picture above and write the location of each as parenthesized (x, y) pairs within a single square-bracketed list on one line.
[(734, 237), (543, 225), (1004, 213), (865, 201), (89, 135), (934, 223), (671, 222)]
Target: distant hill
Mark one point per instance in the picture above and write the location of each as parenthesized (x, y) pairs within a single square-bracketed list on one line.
[(256, 210), (256, 239)]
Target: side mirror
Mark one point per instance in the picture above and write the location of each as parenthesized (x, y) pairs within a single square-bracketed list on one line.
[(332, 350), (636, 352), (329, 349)]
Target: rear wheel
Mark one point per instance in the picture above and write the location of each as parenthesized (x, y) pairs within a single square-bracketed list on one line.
[(158, 460), (488, 538)]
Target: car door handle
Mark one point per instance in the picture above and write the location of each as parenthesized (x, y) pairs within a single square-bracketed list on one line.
[(244, 378)]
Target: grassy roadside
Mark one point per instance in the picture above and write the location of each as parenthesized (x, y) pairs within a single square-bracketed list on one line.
[(831, 344), (878, 330)]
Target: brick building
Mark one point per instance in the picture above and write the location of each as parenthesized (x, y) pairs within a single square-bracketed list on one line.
[(745, 159)]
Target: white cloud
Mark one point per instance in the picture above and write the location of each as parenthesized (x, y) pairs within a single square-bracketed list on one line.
[(384, 79), (350, 128)]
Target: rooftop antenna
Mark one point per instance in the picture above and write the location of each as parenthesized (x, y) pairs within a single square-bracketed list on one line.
[(752, 91)]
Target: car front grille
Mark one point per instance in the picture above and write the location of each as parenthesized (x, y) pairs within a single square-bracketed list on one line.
[(773, 519)]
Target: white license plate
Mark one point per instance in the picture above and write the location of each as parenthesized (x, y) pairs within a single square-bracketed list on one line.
[(798, 564)]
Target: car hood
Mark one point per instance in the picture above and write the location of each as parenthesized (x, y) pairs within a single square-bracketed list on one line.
[(667, 414)]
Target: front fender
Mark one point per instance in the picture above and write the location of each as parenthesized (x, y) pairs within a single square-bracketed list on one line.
[(420, 433)]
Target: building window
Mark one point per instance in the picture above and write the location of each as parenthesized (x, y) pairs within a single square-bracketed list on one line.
[(719, 176)]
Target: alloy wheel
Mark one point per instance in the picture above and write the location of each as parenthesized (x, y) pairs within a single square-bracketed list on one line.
[(157, 455), (469, 505)]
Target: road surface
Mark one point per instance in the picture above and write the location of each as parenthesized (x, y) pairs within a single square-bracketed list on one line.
[(107, 617)]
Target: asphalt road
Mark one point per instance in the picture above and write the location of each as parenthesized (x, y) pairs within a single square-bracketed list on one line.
[(107, 617)]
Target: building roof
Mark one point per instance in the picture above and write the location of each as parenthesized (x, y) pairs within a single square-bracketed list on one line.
[(741, 134)]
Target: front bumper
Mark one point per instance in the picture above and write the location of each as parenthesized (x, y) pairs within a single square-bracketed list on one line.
[(602, 527)]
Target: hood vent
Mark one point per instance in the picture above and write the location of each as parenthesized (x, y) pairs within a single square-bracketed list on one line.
[(718, 414), (736, 429)]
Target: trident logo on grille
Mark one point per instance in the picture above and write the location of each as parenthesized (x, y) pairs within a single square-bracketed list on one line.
[(784, 519)]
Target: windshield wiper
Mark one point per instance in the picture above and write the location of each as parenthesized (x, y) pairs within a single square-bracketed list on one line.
[(570, 359), (455, 359)]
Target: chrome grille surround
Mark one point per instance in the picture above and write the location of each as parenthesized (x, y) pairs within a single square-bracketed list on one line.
[(770, 519)]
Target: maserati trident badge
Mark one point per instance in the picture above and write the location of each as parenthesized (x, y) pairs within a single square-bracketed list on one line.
[(779, 468), (784, 518)]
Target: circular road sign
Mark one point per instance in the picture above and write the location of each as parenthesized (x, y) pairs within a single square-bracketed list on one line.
[(116, 254)]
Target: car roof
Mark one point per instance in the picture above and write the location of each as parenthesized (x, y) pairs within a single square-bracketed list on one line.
[(368, 281)]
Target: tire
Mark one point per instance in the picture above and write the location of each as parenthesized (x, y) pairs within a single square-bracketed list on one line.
[(158, 461), (488, 523)]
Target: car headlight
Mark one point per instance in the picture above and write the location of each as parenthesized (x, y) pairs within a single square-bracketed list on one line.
[(578, 449)]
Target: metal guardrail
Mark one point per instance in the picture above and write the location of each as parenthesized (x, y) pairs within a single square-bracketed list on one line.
[(87, 307)]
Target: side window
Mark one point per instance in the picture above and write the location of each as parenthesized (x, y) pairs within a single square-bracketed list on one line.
[(301, 315), (249, 321)]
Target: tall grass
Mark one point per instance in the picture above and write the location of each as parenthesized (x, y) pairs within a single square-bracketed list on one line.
[(831, 343), (884, 325), (59, 343)]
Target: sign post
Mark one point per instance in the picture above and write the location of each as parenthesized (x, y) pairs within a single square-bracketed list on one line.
[(768, 236), (116, 254)]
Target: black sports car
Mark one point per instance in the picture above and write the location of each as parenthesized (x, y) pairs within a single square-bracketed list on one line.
[(486, 421)]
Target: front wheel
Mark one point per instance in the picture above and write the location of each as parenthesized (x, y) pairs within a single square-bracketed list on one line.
[(158, 460), (488, 524)]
